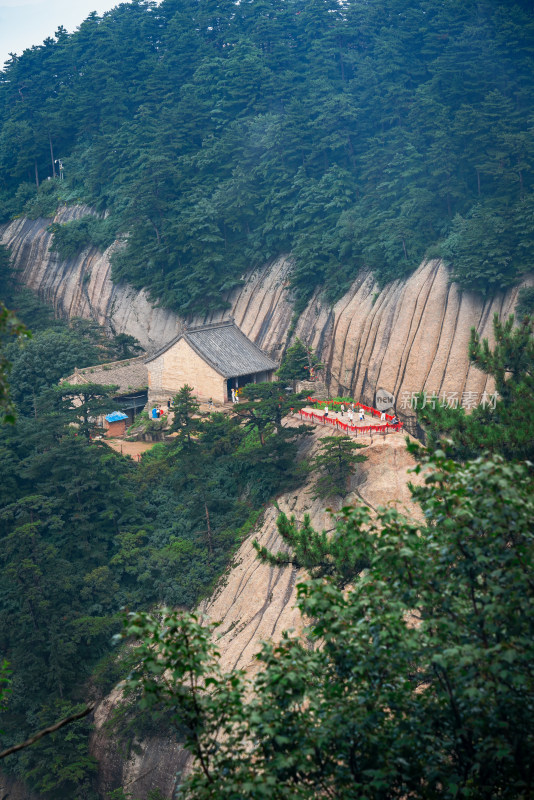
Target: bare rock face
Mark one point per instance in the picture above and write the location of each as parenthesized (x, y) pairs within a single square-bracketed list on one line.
[(254, 602), (82, 286), (409, 337), (13, 789), (149, 764)]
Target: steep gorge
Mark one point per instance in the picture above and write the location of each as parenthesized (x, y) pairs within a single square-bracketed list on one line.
[(410, 336)]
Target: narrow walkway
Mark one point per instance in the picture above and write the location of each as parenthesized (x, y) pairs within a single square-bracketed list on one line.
[(339, 421)]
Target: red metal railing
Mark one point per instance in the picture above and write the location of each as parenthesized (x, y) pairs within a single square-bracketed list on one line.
[(336, 423)]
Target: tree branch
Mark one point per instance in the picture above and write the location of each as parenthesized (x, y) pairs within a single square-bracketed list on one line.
[(46, 731)]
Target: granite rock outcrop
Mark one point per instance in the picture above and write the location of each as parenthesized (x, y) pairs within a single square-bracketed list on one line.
[(410, 336)]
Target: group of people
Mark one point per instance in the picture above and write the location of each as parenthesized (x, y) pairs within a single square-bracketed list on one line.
[(350, 409), (235, 396), (158, 413)]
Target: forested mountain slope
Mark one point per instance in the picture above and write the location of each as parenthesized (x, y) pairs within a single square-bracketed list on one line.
[(219, 135)]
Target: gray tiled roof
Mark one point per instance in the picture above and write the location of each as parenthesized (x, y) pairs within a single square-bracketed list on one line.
[(225, 348), (130, 375)]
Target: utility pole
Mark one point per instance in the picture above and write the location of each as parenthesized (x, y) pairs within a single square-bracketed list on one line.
[(52, 156)]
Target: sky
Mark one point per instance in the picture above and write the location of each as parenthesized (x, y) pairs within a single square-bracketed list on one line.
[(27, 22)]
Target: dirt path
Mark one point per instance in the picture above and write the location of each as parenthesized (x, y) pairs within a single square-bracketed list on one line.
[(133, 449)]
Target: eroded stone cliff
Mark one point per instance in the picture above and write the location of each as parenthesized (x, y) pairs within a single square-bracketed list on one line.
[(408, 337)]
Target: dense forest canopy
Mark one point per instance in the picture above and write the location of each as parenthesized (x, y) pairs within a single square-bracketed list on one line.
[(220, 134)]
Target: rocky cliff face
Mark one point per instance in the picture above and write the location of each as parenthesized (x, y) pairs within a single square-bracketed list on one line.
[(254, 602), (411, 336), (81, 286)]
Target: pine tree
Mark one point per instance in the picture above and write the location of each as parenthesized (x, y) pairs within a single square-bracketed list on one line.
[(186, 420), (335, 462), (264, 405), (299, 363), (85, 403), (503, 423)]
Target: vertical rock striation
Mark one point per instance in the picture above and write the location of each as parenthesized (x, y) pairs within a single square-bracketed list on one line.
[(410, 336)]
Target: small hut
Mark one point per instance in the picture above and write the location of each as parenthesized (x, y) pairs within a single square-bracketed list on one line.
[(115, 423), (213, 359)]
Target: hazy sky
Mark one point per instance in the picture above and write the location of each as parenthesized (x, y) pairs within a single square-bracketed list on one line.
[(27, 22)]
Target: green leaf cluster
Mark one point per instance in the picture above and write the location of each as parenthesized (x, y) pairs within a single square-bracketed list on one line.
[(70, 238), (414, 676)]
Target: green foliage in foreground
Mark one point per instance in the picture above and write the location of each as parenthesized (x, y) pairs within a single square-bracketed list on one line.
[(84, 532), (505, 426), (220, 135), (415, 680)]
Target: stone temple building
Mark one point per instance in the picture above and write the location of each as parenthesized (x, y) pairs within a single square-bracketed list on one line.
[(212, 359)]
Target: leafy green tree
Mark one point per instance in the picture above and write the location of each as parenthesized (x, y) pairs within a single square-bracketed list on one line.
[(124, 346), (414, 678), (59, 765), (5, 680), (85, 403), (39, 363), (335, 463), (6, 278), (265, 405), (9, 327), (525, 301)]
